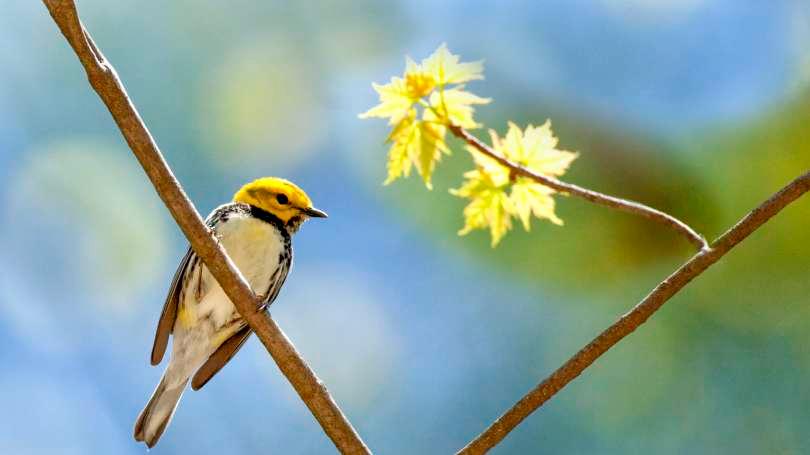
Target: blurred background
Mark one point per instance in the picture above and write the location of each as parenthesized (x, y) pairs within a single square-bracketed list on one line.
[(696, 107)]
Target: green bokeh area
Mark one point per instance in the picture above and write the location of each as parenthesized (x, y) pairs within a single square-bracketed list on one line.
[(696, 108)]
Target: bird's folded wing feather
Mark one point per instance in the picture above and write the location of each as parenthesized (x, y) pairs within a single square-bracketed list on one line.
[(220, 357), (169, 313)]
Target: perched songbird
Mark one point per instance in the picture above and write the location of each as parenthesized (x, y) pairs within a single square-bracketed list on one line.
[(256, 230)]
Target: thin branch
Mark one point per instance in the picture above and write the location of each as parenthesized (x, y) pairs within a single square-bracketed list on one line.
[(637, 316), (106, 83), (589, 195)]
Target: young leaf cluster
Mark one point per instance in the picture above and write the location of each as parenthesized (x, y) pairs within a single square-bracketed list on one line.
[(425, 102)]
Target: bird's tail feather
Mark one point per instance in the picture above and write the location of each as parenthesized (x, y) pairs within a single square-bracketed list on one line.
[(158, 412)]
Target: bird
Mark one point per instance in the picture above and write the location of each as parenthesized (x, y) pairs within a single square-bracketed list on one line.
[(256, 230)]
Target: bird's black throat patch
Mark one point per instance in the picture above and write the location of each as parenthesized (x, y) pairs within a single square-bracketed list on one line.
[(268, 217), (294, 223)]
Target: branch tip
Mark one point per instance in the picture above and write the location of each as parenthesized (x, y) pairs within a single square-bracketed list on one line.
[(595, 197)]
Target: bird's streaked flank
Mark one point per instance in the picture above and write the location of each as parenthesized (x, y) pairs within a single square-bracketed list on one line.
[(256, 230)]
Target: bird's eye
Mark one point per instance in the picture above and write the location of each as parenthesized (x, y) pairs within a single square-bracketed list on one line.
[(282, 199)]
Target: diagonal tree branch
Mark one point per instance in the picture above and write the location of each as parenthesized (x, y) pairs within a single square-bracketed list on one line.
[(589, 195), (637, 316), (106, 83)]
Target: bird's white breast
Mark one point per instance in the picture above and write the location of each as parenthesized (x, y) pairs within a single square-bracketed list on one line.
[(255, 247)]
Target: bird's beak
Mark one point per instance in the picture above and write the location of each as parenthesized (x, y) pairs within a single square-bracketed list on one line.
[(314, 213)]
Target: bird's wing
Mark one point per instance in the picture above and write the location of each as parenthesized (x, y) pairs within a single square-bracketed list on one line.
[(230, 347), (220, 357), (169, 313)]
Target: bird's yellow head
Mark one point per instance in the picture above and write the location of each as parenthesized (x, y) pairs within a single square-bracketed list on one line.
[(280, 197)]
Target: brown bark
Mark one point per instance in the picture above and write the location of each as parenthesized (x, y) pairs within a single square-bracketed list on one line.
[(629, 322)]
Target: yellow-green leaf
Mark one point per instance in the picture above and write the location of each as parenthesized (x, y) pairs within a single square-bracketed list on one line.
[(455, 106), (488, 207), (394, 101), (487, 185), (535, 148), (431, 147), (423, 87), (447, 69), (402, 136), (416, 143), (530, 198)]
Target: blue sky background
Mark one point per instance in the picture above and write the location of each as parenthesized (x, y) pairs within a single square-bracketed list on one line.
[(697, 107)]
